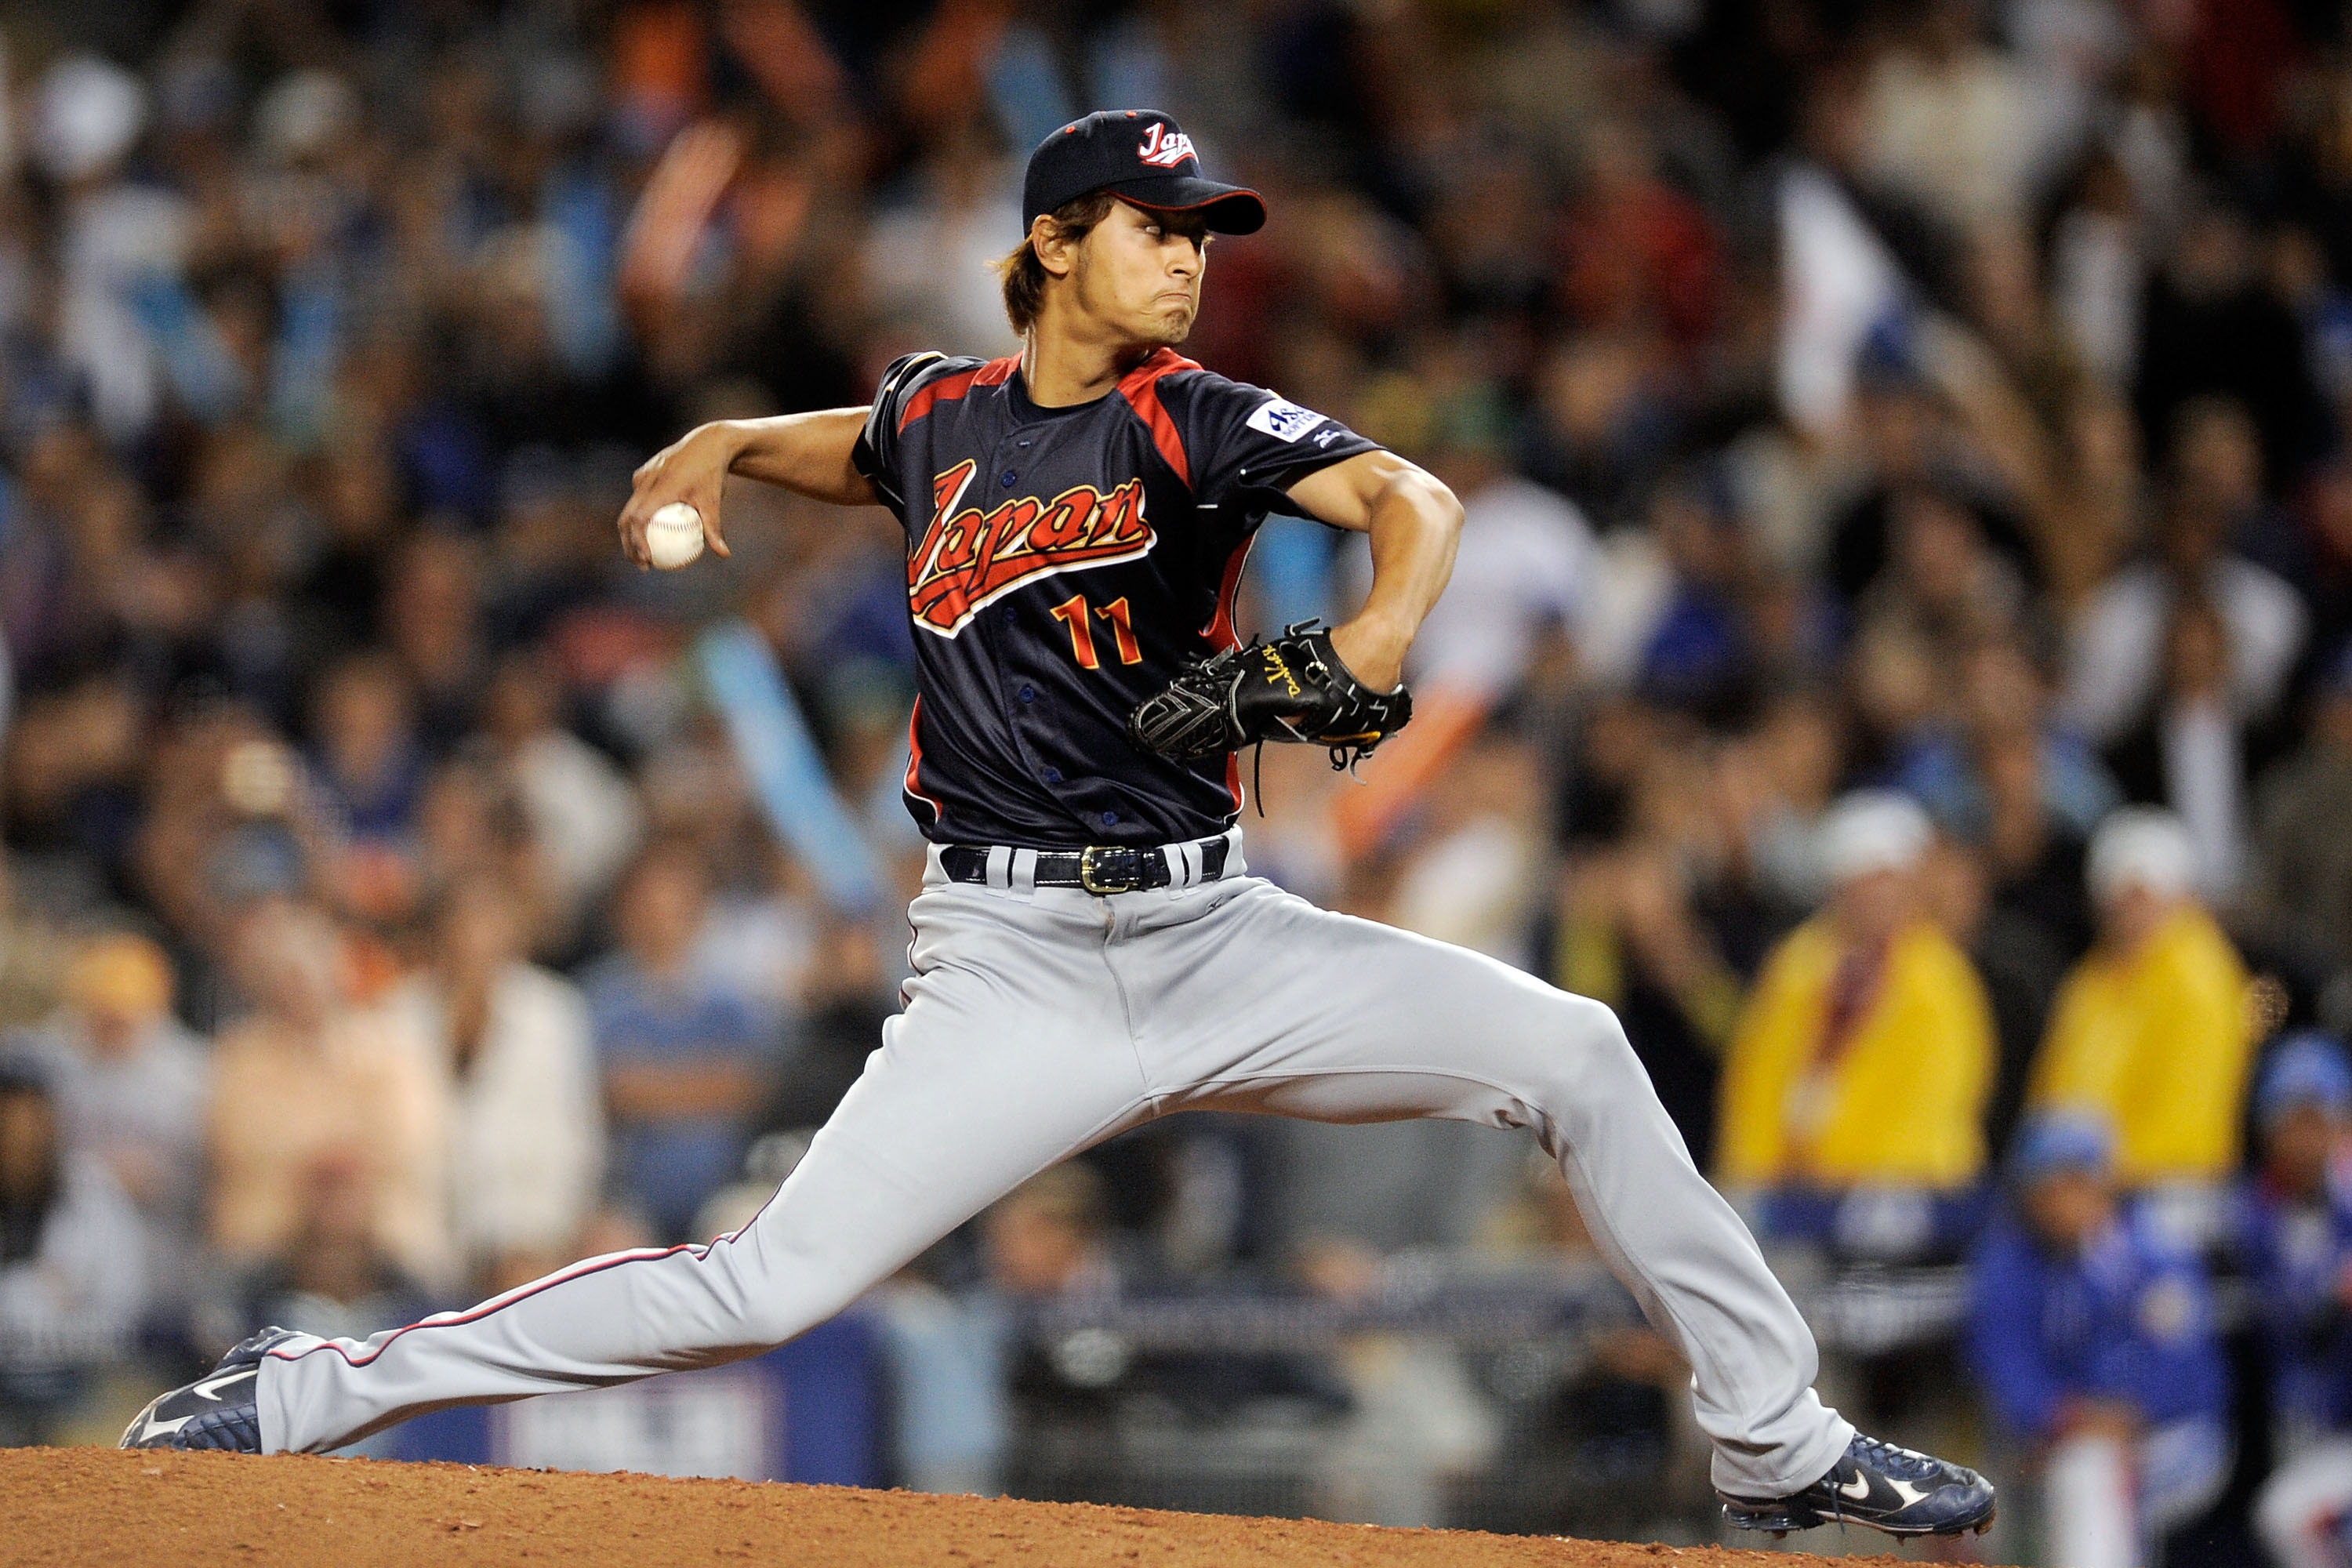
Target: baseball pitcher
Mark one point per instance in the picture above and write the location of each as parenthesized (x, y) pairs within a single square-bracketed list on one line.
[(1090, 950)]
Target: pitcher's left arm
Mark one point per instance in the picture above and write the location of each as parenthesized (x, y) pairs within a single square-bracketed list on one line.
[(1414, 524)]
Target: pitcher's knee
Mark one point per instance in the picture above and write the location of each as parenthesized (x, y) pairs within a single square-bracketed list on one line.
[(786, 1314), (771, 1297), (1588, 1071), (1597, 1055)]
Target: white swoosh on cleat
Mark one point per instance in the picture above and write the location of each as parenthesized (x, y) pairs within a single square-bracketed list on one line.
[(209, 1387), (1858, 1489), (205, 1388)]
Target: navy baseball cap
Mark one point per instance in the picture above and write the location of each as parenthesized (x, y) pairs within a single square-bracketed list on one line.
[(1141, 156)]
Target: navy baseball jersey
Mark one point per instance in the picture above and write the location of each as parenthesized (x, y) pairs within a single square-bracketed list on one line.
[(1062, 564)]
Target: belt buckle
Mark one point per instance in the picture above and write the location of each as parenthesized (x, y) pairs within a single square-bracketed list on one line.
[(1126, 879)]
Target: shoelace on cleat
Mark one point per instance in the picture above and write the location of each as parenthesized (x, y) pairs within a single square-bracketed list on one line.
[(1906, 1463)]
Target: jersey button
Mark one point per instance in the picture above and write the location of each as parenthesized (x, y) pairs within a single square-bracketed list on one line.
[(1028, 694), (1053, 775), (1008, 476), (1110, 819), (1008, 615)]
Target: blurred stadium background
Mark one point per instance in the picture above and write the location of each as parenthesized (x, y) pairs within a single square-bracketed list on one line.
[(1948, 399)]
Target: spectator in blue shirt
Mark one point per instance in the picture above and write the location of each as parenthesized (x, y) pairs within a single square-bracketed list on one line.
[(1701, 655), (2297, 1236), (684, 1058), (2095, 1338)]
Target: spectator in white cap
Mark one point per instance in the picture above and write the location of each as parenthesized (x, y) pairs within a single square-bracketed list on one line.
[(87, 114), (2152, 1028), (122, 241), (1854, 1091), (1870, 843)]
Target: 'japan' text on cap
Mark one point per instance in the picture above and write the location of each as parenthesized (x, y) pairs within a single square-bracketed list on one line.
[(1141, 156)]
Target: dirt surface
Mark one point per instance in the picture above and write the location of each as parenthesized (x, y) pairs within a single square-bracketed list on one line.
[(103, 1505)]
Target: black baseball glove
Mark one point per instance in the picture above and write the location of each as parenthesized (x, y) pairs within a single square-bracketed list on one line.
[(1292, 688)]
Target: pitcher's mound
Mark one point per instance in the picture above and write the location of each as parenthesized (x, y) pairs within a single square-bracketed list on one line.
[(104, 1505)]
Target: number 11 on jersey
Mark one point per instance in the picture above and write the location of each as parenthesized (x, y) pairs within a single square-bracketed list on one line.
[(1072, 613)]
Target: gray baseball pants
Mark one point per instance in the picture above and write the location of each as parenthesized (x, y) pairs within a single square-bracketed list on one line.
[(1040, 1021)]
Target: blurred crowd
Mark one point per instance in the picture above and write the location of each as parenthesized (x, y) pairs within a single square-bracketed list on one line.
[(1900, 656)]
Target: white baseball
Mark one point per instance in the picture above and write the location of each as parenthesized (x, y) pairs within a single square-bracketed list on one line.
[(674, 536)]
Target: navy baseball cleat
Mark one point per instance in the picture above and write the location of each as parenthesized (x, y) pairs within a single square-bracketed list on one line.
[(1877, 1484), (219, 1410)]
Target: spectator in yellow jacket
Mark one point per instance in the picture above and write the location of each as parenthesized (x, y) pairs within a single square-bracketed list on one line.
[(2153, 1028), (1863, 1058)]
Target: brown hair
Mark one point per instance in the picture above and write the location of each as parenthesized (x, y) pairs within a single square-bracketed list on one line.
[(1025, 276)]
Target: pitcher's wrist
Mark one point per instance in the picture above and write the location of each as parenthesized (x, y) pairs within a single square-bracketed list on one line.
[(1373, 648)]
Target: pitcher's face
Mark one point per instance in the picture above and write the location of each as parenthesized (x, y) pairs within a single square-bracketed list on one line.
[(1139, 273)]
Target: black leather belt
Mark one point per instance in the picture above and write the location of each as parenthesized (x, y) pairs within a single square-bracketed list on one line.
[(1100, 869)]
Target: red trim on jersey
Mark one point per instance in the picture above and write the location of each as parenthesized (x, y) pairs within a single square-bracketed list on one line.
[(948, 388), (915, 763), (1220, 629), (1141, 387), (1222, 636)]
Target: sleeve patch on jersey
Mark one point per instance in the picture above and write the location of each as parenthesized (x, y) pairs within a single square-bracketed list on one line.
[(1283, 420)]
